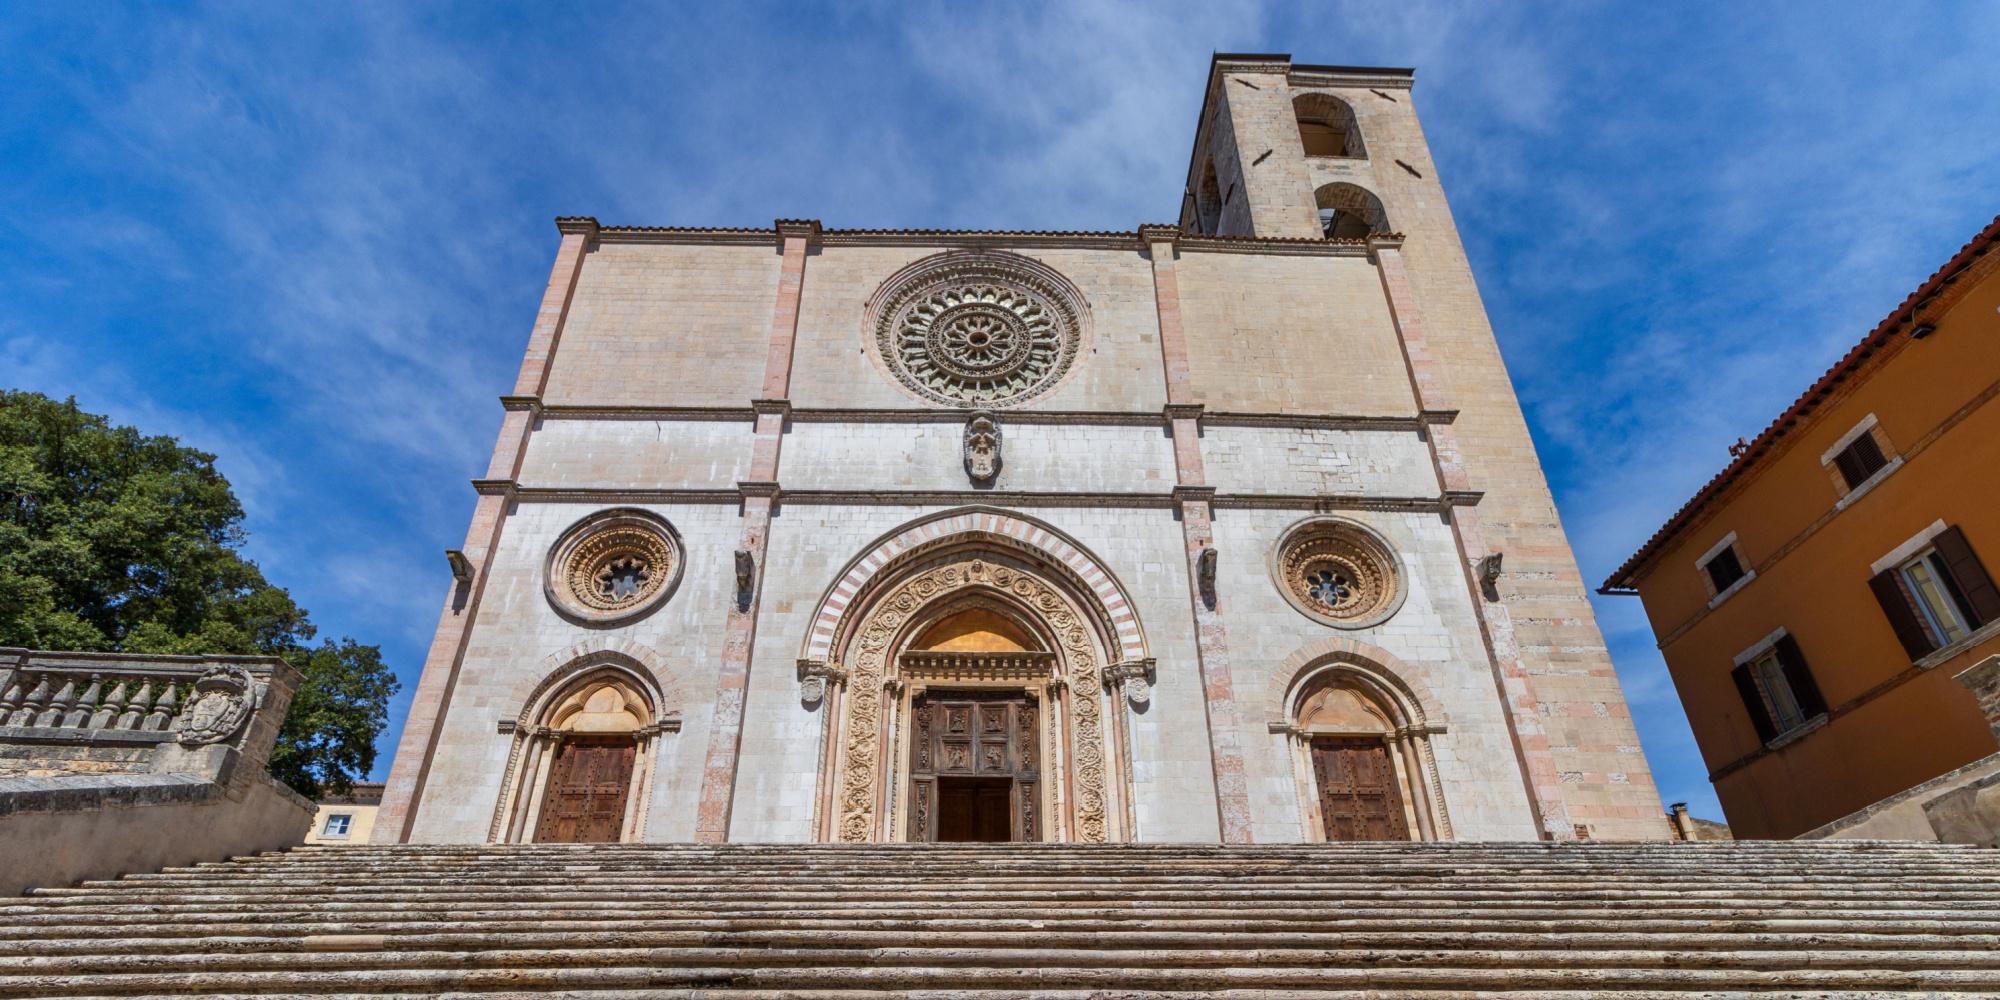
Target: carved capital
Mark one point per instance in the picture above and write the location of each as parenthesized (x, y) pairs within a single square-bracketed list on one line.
[(815, 677), (1134, 678)]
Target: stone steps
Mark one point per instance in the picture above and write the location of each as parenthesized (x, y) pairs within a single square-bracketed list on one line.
[(1045, 921)]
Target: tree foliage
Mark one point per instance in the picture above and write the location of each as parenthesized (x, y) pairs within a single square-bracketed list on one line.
[(114, 540)]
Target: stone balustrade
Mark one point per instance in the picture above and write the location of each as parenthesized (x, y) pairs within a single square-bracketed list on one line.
[(100, 752)]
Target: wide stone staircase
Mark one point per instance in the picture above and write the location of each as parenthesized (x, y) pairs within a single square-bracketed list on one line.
[(1376, 920)]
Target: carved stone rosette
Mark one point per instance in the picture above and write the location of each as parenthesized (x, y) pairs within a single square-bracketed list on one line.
[(861, 753)]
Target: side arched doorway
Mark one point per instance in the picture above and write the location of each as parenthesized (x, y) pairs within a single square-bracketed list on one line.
[(1360, 742), (973, 675), (582, 760)]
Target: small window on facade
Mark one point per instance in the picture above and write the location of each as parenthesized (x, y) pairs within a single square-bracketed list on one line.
[(1861, 459), (1724, 569), (1938, 596), (336, 825), (1778, 689)]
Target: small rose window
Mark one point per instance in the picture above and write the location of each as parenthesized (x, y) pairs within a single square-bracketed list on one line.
[(1338, 572), (613, 567)]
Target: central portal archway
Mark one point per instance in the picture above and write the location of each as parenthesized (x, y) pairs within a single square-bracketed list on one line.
[(962, 664)]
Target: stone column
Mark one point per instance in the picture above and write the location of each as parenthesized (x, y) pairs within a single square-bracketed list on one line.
[(760, 494), (410, 773), (1192, 500), (1427, 383)]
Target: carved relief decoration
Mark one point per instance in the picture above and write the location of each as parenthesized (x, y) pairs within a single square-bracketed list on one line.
[(982, 448), (612, 567), (871, 656), (221, 702), (1339, 572), (977, 328)]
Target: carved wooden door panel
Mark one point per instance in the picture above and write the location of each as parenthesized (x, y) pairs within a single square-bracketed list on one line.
[(585, 800), (1358, 797), (975, 767)]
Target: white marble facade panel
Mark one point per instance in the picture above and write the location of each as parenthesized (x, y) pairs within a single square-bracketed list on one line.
[(1434, 634), (517, 632), (638, 454), (1296, 460), (930, 456)]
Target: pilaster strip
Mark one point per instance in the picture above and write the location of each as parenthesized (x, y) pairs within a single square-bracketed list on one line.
[(725, 734), (1194, 499), (424, 724), (1523, 709)]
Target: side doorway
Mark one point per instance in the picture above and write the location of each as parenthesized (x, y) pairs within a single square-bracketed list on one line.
[(1358, 796)]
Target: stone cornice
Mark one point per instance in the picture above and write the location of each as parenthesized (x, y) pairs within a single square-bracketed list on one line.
[(1182, 411), (942, 415), (1151, 232), (532, 404), (1135, 241), (579, 224), (781, 407), (1006, 498), (808, 229)]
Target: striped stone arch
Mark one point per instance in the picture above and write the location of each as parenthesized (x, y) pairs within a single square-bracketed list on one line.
[(965, 524), (1388, 676), (1413, 714)]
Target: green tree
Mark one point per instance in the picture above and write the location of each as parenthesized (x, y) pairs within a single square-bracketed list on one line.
[(113, 540)]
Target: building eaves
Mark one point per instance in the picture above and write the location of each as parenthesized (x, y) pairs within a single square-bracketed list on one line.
[(1768, 441), (838, 236)]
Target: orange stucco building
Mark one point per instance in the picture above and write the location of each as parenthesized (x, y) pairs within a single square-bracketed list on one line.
[(1816, 601)]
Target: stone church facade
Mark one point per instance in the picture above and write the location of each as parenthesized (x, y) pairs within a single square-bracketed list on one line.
[(1225, 530)]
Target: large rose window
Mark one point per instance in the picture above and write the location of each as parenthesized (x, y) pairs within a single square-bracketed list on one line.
[(613, 567), (978, 329)]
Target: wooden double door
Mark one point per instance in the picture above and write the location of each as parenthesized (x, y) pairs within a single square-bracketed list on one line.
[(1358, 794), (589, 782), (975, 766)]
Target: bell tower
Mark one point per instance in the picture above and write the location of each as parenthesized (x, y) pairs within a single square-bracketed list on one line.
[(1294, 151)]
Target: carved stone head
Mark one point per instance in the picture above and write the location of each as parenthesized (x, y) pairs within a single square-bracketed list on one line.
[(982, 447)]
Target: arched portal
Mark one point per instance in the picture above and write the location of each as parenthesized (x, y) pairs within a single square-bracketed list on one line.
[(584, 751), (1359, 737), (969, 667)]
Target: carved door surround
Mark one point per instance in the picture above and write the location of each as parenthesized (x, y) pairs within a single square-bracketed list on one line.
[(866, 791)]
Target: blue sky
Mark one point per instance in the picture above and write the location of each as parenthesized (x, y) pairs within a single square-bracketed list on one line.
[(310, 238)]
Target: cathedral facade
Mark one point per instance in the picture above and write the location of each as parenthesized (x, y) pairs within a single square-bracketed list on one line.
[(1225, 530)]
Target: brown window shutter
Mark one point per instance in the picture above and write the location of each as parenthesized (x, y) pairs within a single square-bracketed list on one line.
[(1754, 702), (1805, 690), (1902, 617), (1982, 599), (1860, 460)]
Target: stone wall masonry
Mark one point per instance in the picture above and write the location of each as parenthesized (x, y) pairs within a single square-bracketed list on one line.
[(518, 633), (656, 324), (639, 454), (1284, 334), (1558, 643), (1434, 635), (930, 456), (1302, 461)]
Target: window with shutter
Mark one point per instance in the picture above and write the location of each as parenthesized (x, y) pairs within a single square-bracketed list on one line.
[(1901, 611), (1941, 608), (1724, 569), (1778, 689), (1861, 459), (1753, 702), (1980, 598)]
